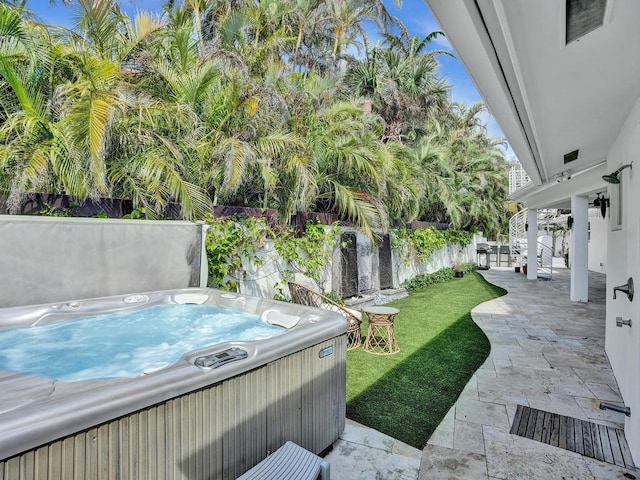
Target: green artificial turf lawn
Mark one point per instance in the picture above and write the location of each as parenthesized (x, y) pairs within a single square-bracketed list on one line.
[(406, 395)]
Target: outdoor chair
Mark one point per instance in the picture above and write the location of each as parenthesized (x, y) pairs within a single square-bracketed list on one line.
[(305, 296), (504, 254)]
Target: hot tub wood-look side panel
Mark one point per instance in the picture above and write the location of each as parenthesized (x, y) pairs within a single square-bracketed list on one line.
[(218, 432)]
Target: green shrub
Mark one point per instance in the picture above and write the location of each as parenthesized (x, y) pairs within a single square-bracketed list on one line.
[(458, 237), (442, 275)]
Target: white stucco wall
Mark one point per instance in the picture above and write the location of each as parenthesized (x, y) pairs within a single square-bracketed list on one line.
[(623, 261), (407, 268), (264, 279), (599, 229), (260, 280)]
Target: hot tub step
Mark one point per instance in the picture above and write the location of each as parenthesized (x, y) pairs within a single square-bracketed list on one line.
[(289, 462)]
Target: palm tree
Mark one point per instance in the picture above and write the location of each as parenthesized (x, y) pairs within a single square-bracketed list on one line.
[(32, 144), (74, 143), (439, 202), (351, 164), (404, 89), (346, 18), (480, 170), (242, 102)]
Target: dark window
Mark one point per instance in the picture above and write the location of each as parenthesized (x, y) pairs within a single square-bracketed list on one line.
[(583, 16)]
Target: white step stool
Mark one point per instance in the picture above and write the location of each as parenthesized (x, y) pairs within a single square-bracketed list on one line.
[(289, 462)]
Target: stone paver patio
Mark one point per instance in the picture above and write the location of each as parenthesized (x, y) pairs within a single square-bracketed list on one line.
[(547, 353), (364, 453)]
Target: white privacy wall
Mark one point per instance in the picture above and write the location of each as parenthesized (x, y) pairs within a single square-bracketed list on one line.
[(405, 268), (623, 261), (260, 280)]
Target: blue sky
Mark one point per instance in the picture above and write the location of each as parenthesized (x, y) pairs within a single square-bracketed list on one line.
[(418, 19), (415, 15)]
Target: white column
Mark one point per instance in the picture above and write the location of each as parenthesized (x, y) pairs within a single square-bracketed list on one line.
[(532, 244), (579, 248)]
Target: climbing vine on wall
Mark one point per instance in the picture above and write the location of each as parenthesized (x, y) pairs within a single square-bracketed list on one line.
[(309, 253), (229, 242), (233, 241), (461, 238)]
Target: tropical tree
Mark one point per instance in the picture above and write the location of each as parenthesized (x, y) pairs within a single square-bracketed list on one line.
[(250, 103), (74, 144), (478, 193), (404, 88), (351, 164)]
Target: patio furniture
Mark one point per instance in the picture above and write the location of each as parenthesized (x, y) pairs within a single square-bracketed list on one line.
[(289, 462), (494, 252), (381, 338), (310, 298), (505, 251)]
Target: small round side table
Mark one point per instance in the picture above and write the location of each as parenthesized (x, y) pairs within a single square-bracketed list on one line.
[(381, 339)]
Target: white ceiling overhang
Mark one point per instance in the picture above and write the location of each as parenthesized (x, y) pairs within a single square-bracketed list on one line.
[(558, 194), (549, 98)]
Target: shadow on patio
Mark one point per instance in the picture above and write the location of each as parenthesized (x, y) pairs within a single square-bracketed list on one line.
[(546, 353)]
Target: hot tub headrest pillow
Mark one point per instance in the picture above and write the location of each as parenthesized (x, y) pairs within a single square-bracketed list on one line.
[(275, 317)]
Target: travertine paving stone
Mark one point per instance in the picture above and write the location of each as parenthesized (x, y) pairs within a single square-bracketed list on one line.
[(439, 463), (468, 437), (547, 353), (364, 453)]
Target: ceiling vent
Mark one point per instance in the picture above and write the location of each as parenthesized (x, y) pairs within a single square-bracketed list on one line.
[(571, 156), (583, 16)]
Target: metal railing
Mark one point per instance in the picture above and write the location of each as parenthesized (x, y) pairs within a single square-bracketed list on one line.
[(518, 236), (518, 244), (545, 261)]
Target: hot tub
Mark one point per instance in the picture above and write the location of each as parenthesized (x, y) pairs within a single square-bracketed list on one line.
[(214, 413)]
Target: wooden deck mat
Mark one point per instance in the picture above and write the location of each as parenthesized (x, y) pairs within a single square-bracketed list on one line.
[(586, 438)]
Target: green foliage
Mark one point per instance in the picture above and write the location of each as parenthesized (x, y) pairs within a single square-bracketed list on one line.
[(136, 214), (467, 267), (427, 279), (458, 237), (230, 241), (334, 296), (426, 241), (270, 114), (49, 211), (309, 253), (442, 275), (423, 242)]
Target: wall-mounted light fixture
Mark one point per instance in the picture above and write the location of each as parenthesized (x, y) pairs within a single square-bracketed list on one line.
[(602, 203), (562, 176), (613, 177)]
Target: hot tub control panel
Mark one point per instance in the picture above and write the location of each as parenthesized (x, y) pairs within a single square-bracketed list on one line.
[(218, 359)]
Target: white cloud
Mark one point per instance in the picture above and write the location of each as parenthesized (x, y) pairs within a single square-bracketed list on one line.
[(424, 26)]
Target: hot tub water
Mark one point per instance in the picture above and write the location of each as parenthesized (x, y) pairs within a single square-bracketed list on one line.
[(124, 344)]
